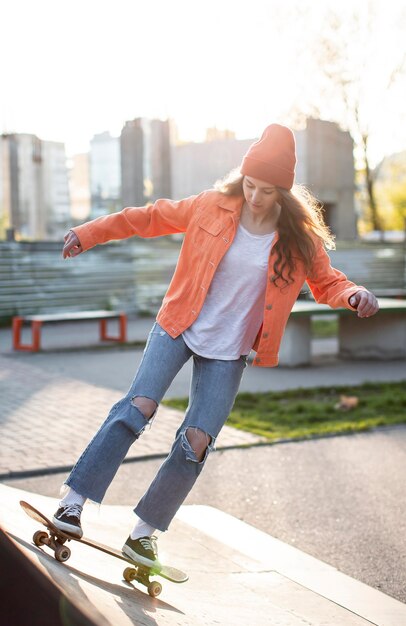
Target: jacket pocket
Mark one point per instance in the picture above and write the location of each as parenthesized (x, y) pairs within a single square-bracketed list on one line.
[(206, 228)]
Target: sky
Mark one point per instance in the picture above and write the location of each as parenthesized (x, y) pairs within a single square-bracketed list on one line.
[(73, 69)]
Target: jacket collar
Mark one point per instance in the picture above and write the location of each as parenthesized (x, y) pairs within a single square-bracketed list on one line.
[(231, 203)]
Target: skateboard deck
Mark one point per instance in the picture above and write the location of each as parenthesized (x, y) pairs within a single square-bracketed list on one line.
[(56, 539)]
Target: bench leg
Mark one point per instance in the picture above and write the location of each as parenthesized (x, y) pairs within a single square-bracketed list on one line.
[(35, 335), (296, 343), (122, 336), (382, 336)]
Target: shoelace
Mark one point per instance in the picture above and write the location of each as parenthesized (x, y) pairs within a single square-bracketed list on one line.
[(73, 510), (149, 544)]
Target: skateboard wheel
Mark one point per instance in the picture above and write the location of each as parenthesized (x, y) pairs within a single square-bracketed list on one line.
[(154, 588), (129, 574), (62, 553), (40, 537)]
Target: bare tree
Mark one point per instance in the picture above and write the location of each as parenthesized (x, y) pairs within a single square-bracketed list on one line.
[(348, 73), (361, 73)]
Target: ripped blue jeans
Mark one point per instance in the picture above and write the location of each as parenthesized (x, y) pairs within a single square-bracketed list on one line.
[(213, 389)]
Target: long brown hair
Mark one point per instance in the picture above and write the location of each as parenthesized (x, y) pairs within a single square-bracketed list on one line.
[(300, 224)]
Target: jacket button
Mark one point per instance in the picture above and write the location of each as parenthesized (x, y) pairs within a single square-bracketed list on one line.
[(257, 360), (269, 307), (265, 335)]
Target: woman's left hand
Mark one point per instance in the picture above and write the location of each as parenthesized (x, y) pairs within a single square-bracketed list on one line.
[(365, 303)]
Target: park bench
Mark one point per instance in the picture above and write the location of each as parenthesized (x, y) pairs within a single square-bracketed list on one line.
[(382, 336), (36, 322)]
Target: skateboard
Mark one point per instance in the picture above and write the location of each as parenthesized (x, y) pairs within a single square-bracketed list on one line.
[(56, 539)]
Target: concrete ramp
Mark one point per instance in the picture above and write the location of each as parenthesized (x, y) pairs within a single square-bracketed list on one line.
[(238, 575)]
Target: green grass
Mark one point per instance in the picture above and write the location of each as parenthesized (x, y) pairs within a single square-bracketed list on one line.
[(302, 413)]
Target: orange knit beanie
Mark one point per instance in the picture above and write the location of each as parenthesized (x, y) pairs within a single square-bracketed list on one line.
[(272, 158)]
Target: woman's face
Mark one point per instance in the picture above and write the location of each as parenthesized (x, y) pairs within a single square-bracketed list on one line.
[(260, 196)]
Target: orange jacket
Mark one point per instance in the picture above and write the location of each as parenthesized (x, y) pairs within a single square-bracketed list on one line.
[(209, 221)]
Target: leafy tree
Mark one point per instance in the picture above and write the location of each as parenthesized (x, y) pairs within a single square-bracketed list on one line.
[(397, 196), (391, 191)]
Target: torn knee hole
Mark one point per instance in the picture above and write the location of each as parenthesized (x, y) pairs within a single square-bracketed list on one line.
[(196, 444), (147, 406)]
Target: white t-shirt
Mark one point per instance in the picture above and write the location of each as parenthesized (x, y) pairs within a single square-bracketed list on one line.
[(232, 312)]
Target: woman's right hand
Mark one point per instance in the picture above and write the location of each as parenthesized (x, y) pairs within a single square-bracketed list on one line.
[(72, 245)]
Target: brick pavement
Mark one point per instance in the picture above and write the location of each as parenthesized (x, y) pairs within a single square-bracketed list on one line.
[(47, 419)]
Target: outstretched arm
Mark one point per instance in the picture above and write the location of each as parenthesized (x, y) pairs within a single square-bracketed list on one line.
[(331, 286), (164, 217)]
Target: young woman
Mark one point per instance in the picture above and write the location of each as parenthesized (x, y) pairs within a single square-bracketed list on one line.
[(249, 246)]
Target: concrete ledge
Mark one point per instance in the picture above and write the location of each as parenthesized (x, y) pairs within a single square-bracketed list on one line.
[(238, 575), (315, 575)]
